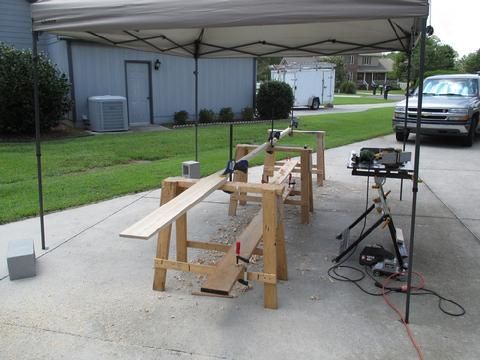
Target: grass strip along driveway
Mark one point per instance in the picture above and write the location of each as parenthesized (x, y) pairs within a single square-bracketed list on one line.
[(89, 169), (360, 99)]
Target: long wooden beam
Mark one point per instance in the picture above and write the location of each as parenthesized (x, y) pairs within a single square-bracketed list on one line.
[(233, 186), (178, 206), (209, 269), (172, 210), (227, 271)]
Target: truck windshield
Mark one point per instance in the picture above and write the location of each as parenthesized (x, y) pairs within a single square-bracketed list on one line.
[(450, 87)]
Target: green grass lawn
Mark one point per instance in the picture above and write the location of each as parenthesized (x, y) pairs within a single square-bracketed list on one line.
[(359, 99), (89, 169)]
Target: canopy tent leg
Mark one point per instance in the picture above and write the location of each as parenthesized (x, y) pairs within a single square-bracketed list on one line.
[(416, 167), (37, 133), (196, 107), (405, 131)]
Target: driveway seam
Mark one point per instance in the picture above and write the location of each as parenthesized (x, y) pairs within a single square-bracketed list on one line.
[(86, 229), (176, 351), (455, 215)]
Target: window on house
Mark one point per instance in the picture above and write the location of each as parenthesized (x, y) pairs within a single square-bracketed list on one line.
[(366, 60), (349, 59)]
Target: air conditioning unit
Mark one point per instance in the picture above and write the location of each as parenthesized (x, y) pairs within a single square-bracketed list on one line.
[(108, 113)]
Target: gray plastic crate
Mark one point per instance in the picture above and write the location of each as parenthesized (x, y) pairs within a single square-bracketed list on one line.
[(21, 259)]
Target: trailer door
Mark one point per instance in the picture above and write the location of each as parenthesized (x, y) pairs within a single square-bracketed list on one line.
[(290, 78), (328, 86)]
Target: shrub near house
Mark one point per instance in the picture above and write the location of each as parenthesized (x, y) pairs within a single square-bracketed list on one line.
[(16, 92), (274, 100)]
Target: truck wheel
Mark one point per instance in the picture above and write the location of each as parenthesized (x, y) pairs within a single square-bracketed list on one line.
[(315, 104), (400, 135), (470, 138)]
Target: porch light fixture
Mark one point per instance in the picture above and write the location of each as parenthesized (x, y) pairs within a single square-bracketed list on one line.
[(156, 64)]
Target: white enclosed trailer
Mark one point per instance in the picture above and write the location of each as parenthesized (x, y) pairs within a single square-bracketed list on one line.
[(312, 85)]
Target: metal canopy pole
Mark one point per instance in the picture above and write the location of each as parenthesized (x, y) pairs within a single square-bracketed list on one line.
[(405, 131), (197, 46), (37, 133), (416, 167), (196, 108)]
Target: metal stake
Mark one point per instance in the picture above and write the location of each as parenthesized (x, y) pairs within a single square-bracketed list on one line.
[(37, 133)]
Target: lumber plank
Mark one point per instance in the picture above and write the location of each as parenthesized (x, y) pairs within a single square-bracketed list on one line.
[(233, 186), (204, 245), (183, 266), (209, 269), (223, 279), (265, 145), (284, 171), (175, 208), (227, 272), (169, 212)]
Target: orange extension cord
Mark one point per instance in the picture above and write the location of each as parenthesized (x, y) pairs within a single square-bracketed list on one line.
[(404, 289)]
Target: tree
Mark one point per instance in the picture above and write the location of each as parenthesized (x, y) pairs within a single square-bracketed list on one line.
[(16, 94), (263, 67), (274, 100), (470, 63), (438, 56)]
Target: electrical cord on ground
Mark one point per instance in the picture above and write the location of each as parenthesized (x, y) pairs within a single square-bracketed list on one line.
[(394, 308), (419, 289), (442, 299), (333, 270)]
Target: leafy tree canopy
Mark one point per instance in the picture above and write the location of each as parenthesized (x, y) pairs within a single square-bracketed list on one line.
[(470, 63), (438, 56)]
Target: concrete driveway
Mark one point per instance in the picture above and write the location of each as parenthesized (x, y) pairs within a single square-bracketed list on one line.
[(452, 172), (92, 297)]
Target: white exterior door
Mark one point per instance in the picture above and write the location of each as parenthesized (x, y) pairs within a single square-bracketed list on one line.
[(138, 93)]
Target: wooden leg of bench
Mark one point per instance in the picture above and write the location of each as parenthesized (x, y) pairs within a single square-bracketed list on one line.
[(238, 176), (181, 235), (320, 158), (269, 247), (163, 240), (282, 267), (268, 166), (310, 185), (305, 173)]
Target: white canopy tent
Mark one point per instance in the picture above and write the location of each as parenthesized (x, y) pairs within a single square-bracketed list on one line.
[(241, 28), (237, 28)]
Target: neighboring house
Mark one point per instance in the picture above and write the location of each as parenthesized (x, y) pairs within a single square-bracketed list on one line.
[(155, 85), (364, 70), (368, 69)]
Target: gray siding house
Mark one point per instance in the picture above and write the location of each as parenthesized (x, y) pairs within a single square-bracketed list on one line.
[(158, 85)]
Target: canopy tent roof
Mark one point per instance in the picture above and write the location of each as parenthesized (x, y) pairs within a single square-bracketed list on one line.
[(237, 28)]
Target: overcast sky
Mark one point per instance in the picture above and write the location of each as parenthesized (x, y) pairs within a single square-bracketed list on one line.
[(457, 23)]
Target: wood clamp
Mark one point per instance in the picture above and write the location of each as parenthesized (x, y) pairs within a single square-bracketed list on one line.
[(243, 281)]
